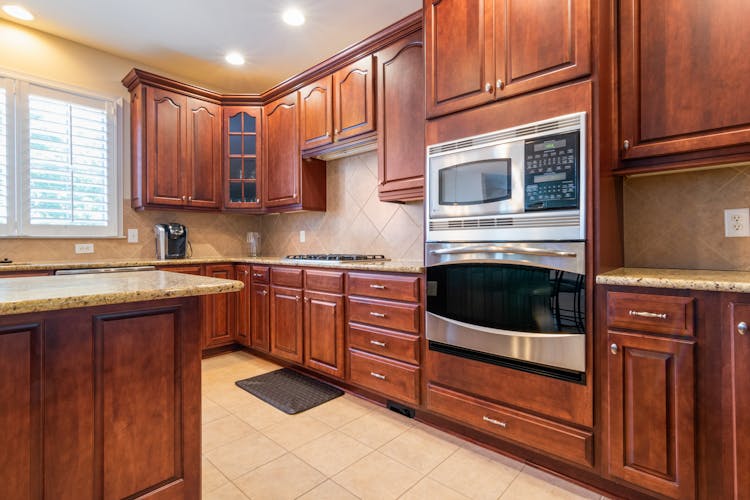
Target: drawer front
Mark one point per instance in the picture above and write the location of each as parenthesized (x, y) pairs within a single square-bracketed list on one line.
[(260, 274), (384, 286), (181, 269), (650, 313), (529, 430), (395, 345), (284, 276), (390, 378), (325, 281), (394, 315)]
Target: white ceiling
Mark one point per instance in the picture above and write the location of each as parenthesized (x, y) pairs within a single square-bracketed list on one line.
[(189, 38)]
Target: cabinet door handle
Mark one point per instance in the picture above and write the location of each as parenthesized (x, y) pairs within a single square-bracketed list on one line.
[(742, 328), (646, 314), (377, 376), (296, 298), (190, 198), (184, 198), (307, 300), (626, 144), (264, 292), (377, 343), (494, 421), (500, 85), (613, 348), (377, 315), (488, 87), (378, 287)]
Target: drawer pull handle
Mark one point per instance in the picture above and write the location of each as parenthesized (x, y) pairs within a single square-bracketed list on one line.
[(742, 328), (379, 287), (377, 376), (377, 315), (377, 343), (646, 314), (257, 275), (494, 421)]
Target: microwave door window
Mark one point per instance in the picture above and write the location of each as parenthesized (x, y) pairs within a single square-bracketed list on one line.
[(475, 183)]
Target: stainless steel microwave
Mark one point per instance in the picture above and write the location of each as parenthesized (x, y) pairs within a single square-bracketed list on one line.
[(526, 183)]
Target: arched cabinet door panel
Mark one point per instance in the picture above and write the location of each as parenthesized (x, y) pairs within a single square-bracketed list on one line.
[(354, 99)]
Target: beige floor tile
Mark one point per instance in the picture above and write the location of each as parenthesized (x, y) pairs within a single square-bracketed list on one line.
[(475, 476), (227, 395), (377, 477), (534, 483), (260, 414), (376, 428), (223, 431), (419, 449), (340, 411), (286, 477), (210, 411), (296, 431), (227, 492), (427, 489), (332, 453), (240, 457), (328, 491), (211, 477)]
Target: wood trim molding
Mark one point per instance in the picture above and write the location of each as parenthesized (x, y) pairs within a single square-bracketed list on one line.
[(406, 26)]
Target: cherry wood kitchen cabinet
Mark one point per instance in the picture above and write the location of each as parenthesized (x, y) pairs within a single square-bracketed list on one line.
[(288, 182), (401, 145), (286, 314), (316, 113), (737, 331), (243, 145), (480, 51), (175, 148), (243, 305), (324, 322), (260, 303), (219, 310), (683, 76)]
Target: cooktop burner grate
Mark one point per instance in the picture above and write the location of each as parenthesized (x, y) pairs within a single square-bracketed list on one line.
[(335, 257)]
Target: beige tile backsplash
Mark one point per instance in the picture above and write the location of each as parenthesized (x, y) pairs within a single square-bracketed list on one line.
[(677, 220), (355, 222)]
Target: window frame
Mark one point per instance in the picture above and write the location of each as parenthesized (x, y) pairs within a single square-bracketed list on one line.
[(19, 170)]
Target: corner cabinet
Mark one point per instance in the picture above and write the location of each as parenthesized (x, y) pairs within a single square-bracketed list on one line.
[(480, 51), (401, 144), (176, 148), (288, 182), (683, 76), (242, 157)]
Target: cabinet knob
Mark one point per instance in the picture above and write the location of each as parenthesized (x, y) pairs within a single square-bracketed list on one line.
[(500, 84), (626, 144), (184, 198), (190, 198), (742, 328), (335, 131), (488, 87), (613, 348), (264, 292)]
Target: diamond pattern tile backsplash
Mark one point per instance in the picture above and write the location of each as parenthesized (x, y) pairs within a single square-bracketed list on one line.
[(355, 221)]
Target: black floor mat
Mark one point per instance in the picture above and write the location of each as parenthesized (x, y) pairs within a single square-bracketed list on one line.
[(289, 391)]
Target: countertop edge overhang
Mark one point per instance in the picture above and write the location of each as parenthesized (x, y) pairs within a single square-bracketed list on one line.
[(50, 293), (678, 279)]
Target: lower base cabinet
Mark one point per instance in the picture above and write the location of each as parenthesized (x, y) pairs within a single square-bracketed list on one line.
[(324, 333), (219, 310), (737, 331), (260, 303), (286, 323)]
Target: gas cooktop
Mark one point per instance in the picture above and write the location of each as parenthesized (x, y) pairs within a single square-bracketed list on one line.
[(336, 257)]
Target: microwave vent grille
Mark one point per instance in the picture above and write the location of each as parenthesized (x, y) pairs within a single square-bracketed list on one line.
[(508, 134), (504, 222)]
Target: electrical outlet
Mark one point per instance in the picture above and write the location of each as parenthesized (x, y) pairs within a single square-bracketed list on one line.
[(84, 248), (301, 236), (132, 236), (737, 222)]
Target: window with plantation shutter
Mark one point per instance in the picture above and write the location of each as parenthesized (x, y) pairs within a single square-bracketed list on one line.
[(5, 98), (65, 165)]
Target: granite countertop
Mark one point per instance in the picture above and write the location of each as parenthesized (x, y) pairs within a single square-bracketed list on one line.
[(684, 279), (393, 266), (50, 293)]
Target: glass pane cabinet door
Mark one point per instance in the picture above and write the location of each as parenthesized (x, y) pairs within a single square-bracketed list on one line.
[(242, 148)]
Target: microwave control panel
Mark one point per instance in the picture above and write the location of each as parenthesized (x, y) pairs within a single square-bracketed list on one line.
[(551, 172)]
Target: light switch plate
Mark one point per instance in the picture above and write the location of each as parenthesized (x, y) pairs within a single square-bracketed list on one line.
[(84, 248), (132, 236)]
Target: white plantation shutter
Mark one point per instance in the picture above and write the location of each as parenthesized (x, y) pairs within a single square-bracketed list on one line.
[(6, 96)]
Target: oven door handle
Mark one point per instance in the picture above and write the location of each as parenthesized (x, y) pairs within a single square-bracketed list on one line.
[(501, 249)]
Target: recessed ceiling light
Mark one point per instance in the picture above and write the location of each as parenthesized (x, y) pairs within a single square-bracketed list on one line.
[(18, 12), (293, 17), (235, 58)]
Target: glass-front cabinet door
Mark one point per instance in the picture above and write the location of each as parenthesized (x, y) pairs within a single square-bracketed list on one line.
[(242, 157)]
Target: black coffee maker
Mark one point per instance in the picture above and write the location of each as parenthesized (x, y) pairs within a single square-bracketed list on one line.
[(171, 241)]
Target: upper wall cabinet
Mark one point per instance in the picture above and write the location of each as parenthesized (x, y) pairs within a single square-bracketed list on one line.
[(683, 76), (289, 183), (401, 148), (338, 107), (176, 149), (484, 50), (242, 157)]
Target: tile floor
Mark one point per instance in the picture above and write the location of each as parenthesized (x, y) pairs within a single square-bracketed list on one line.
[(345, 449)]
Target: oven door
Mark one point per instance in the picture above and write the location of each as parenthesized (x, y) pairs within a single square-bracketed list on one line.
[(516, 304), (474, 182)]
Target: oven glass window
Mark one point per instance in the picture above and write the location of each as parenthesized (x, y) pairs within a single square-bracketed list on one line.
[(508, 297), (475, 183)]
